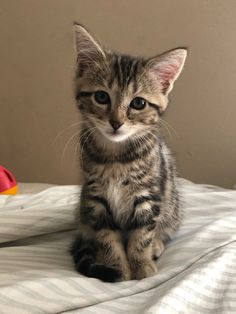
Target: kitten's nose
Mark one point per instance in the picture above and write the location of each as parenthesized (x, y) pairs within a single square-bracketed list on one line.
[(116, 124)]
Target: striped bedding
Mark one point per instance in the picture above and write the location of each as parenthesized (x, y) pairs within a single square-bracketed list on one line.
[(197, 272)]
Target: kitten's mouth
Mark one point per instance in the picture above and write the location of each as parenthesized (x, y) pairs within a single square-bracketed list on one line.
[(114, 132), (115, 135)]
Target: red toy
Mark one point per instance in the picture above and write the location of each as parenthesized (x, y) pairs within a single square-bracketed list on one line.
[(8, 183)]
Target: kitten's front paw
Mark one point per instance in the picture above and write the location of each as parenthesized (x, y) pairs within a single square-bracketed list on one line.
[(144, 270), (126, 276), (126, 273), (157, 248)]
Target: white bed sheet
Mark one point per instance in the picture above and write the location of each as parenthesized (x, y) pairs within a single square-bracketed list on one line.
[(197, 272)]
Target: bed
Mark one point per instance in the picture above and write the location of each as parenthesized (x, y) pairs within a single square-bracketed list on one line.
[(197, 272)]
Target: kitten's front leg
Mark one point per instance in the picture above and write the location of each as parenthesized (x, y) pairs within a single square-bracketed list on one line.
[(140, 252), (95, 212), (142, 244), (111, 252)]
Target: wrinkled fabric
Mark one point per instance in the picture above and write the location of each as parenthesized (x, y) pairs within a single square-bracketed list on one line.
[(197, 271)]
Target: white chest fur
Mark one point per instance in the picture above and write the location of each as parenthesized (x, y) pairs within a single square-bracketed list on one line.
[(119, 196), (119, 200)]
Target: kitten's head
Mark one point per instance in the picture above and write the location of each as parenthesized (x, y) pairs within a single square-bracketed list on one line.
[(119, 95)]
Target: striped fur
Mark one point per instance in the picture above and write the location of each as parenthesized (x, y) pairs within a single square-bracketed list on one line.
[(129, 200)]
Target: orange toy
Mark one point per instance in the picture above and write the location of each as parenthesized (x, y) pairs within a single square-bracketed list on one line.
[(8, 183)]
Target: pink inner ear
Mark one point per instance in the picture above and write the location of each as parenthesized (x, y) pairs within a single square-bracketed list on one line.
[(167, 72), (166, 68)]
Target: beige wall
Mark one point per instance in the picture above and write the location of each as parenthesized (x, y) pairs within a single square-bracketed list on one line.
[(36, 72)]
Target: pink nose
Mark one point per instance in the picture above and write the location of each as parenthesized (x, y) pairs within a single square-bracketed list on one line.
[(116, 124)]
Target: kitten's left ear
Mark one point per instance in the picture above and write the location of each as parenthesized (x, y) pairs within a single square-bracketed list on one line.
[(166, 67)]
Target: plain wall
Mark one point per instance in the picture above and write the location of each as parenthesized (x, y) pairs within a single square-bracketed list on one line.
[(37, 68)]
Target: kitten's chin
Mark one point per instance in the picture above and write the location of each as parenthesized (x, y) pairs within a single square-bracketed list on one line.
[(116, 137)]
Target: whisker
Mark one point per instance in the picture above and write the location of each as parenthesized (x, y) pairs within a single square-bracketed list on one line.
[(171, 128), (92, 130), (67, 145), (79, 142), (168, 127), (66, 129)]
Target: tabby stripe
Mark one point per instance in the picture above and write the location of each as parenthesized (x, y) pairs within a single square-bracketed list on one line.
[(151, 227), (129, 157), (140, 221), (163, 174), (83, 94), (111, 80), (155, 209), (141, 199), (95, 154), (134, 75), (90, 182), (156, 107), (87, 209), (126, 182), (123, 71), (125, 158), (143, 245), (102, 201), (146, 243), (106, 247), (117, 70), (126, 65), (141, 175), (102, 221), (105, 221)]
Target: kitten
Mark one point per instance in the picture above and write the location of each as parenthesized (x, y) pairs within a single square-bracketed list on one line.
[(129, 200)]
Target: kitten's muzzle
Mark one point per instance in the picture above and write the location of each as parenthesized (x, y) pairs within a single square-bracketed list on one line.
[(115, 124)]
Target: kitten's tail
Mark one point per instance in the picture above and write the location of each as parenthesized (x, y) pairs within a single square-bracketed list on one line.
[(84, 253)]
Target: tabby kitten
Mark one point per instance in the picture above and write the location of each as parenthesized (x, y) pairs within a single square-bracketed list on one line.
[(129, 201)]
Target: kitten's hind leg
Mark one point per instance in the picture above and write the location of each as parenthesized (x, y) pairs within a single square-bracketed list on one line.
[(157, 248)]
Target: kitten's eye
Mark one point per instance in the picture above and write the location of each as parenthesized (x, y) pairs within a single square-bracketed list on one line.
[(138, 103), (102, 97)]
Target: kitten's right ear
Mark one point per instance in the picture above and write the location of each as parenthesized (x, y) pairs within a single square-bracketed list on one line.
[(88, 50)]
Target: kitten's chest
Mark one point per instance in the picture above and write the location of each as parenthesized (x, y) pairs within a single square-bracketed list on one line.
[(120, 199), (117, 191)]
